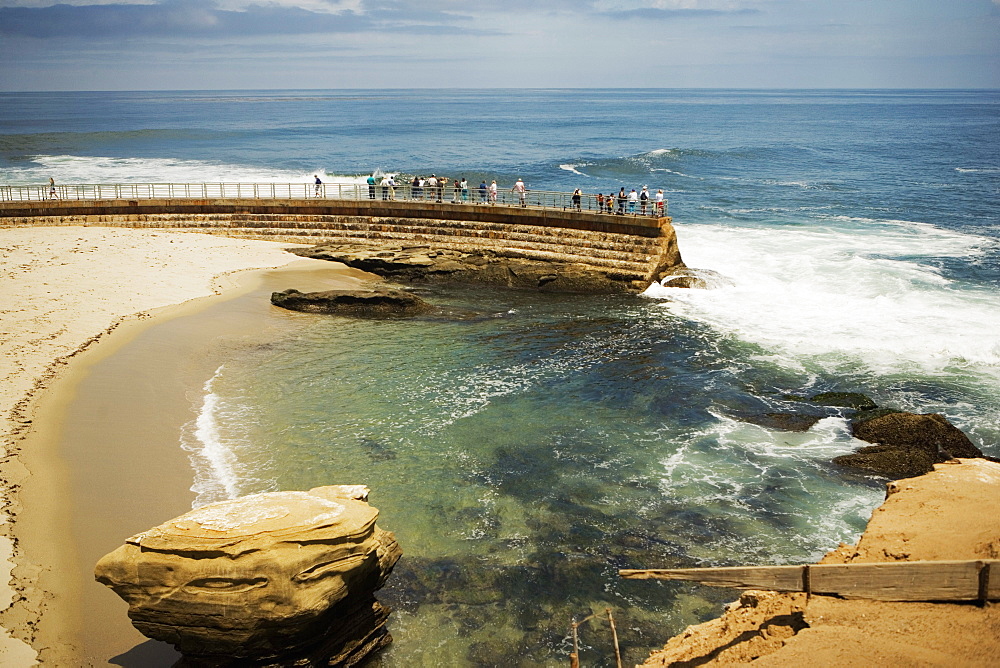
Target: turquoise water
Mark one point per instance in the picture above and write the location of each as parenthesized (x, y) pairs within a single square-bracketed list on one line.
[(524, 447)]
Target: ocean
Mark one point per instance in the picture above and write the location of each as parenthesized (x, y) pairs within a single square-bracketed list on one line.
[(525, 446)]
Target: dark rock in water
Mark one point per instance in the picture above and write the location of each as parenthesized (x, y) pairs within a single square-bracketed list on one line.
[(929, 432), (379, 302), (871, 414), (889, 461), (854, 400), (688, 277), (907, 444), (783, 421)]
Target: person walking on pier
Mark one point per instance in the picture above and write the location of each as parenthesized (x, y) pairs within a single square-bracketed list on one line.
[(52, 189), (319, 184), (520, 190)]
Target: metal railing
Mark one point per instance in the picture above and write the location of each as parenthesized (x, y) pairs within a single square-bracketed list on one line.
[(540, 199)]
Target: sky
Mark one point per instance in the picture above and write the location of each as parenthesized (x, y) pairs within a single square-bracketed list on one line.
[(323, 44)]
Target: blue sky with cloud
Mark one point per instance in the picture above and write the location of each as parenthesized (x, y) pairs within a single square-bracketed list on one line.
[(225, 44)]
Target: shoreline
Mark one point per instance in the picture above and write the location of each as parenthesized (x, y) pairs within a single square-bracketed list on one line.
[(75, 287)]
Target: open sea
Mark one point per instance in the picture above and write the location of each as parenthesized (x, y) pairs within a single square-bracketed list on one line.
[(527, 450)]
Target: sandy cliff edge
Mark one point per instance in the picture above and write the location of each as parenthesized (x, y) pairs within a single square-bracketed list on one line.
[(951, 513)]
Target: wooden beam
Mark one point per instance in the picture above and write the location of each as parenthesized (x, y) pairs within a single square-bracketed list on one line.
[(891, 581)]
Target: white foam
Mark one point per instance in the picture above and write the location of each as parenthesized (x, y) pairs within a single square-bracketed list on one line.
[(72, 169), (573, 168), (838, 293), (214, 462)]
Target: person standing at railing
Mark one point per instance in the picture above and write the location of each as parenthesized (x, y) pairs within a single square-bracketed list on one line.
[(392, 187), (319, 184), (493, 192), (600, 202), (622, 198), (520, 190), (52, 188), (577, 195), (384, 187), (417, 186), (659, 202), (464, 185), (644, 199), (432, 185), (484, 192), (633, 197)]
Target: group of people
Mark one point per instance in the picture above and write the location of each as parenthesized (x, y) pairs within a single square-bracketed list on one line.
[(438, 189), (646, 202)]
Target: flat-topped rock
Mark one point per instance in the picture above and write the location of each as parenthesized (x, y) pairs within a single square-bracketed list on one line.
[(268, 579), (377, 302)]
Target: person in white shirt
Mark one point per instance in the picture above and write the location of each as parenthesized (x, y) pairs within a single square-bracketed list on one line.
[(519, 189), (493, 192), (633, 197), (658, 198)]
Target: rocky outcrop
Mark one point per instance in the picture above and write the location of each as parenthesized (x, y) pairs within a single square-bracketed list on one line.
[(428, 264), (276, 579), (377, 302), (907, 444), (952, 513)]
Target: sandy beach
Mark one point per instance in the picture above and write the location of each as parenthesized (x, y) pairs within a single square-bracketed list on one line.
[(67, 289)]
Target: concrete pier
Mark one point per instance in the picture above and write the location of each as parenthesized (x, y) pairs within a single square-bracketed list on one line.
[(635, 249)]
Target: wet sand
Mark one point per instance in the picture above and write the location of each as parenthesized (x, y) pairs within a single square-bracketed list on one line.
[(92, 458), (120, 421)]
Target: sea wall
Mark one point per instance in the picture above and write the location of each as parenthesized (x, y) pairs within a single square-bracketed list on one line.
[(634, 249)]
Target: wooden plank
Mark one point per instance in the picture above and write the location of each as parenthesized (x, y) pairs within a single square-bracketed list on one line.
[(903, 581), (892, 581), (773, 578)]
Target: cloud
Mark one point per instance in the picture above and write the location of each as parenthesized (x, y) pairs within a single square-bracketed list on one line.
[(185, 18), (658, 14)]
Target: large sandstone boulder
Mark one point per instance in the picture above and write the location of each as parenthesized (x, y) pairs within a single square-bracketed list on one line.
[(277, 579), (907, 444), (377, 302)]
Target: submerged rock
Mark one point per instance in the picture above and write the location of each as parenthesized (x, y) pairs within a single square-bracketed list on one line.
[(855, 400), (800, 422), (907, 444), (689, 277), (377, 302), (276, 579)]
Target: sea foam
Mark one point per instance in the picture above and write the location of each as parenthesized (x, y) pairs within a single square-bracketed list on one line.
[(863, 291)]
